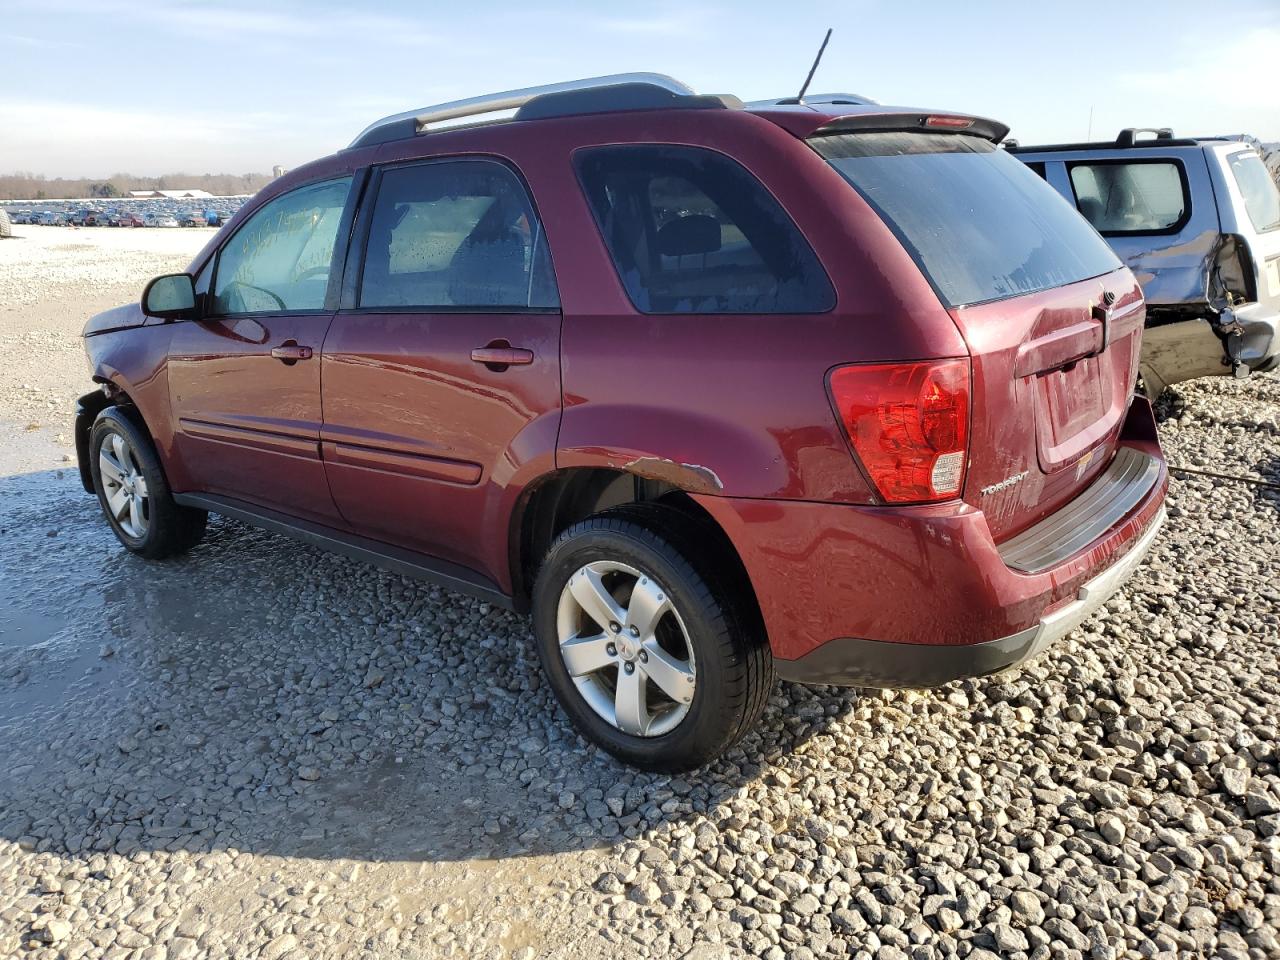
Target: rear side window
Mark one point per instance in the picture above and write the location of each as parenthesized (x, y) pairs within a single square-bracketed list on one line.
[(281, 258), (1131, 197), (691, 231), (458, 234), (978, 222), (1261, 198)]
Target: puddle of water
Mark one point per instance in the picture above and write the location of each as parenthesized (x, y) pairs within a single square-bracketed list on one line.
[(45, 661), (26, 628)]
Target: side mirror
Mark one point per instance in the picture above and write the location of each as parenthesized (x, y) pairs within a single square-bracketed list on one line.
[(171, 297)]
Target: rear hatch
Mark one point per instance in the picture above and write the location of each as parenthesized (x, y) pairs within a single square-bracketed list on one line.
[(1052, 319)]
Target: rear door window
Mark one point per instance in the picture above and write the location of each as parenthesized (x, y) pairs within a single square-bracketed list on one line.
[(455, 235), (1123, 197), (1261, 198), (691, 231), (980, 224)]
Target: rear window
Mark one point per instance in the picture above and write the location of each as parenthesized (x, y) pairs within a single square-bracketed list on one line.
[(979, 223), (1261, 198), (1119, 197), (691, 231)]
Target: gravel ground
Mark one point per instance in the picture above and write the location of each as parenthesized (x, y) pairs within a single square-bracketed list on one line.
[(262, 750)]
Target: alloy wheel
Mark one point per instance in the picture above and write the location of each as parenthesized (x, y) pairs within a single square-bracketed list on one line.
[(124, 486), (626, 648)]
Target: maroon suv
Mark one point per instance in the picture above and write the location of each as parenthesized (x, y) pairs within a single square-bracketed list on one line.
[(841, 393)]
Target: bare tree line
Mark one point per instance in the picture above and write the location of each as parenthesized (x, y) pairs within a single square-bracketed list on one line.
[(32, 186)]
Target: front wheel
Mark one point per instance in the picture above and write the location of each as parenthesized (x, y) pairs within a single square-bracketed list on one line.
[(133, 491), (647, 645)]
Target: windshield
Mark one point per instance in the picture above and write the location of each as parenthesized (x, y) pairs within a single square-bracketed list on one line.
[(979, 223), (1261, 198)]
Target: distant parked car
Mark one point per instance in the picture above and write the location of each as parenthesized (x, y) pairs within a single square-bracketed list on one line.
[(1198, 222), (48, 218), (163, 220)]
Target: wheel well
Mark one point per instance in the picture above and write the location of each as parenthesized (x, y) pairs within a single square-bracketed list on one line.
[(124, 403), (87, 409), (568, 496)]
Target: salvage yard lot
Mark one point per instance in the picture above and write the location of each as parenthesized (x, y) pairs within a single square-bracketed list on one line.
[(263, 750)]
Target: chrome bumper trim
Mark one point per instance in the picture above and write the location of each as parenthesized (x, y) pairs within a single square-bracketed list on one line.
[(1090, 597), (1116, 491)]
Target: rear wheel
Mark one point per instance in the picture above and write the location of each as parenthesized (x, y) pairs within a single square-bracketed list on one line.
[(646, 644), (133, 492)]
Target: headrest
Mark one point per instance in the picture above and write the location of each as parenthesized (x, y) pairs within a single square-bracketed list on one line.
[(693, 234)]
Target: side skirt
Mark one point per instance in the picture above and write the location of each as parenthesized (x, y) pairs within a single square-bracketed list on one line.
[(452, 576)]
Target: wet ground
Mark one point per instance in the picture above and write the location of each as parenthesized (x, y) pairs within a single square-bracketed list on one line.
[(263, 750)]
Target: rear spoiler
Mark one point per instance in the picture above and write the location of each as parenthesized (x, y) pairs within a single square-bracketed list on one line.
[(933, 122)]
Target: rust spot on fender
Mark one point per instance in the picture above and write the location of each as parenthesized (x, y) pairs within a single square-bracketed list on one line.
[(686, 476)]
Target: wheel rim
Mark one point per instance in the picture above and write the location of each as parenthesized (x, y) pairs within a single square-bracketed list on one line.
[(626, 648), (124, 486)]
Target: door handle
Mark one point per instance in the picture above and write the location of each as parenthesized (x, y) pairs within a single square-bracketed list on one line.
[(1102, 313), (499, 355), (290, 352)]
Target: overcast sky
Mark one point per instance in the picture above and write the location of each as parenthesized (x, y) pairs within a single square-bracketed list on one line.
[(92, 87)]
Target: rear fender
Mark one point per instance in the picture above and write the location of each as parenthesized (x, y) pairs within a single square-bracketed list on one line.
[(691, 451)]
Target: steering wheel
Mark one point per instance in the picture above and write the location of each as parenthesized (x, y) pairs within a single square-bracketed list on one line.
[(313, 272), (249, 286)]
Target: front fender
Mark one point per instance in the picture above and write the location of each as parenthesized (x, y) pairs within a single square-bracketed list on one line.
[(133, 362), (87, 409)]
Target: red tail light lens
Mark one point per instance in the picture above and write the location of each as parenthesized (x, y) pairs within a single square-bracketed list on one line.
[(950, 123), (909, 424)]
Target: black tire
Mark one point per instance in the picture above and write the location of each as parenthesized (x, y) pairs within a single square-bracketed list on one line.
[(170, 529), (734, 666)]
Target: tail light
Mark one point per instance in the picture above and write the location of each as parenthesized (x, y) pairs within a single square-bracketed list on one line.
[(1232, 278), (909, 425)]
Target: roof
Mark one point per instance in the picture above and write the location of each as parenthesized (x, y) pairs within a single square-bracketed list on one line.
[(652, 91)]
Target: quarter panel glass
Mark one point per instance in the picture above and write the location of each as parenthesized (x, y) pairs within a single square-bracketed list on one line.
[(1261, 197), (690, 230)]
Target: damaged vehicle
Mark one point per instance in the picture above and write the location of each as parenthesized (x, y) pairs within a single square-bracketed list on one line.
[(1198, 222), (834, 392)]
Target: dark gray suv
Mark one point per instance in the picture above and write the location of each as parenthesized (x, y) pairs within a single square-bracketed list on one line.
[(1198, 222)]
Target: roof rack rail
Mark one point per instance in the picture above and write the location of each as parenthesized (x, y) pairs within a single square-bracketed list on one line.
[(660, 90), (1127, 140), (1129, 135)]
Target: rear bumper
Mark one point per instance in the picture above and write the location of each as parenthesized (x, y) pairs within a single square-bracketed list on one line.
[(917, 596), (873, 663), (1259, 332)]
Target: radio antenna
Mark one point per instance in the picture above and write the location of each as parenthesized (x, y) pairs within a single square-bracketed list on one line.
[(816, 60)]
